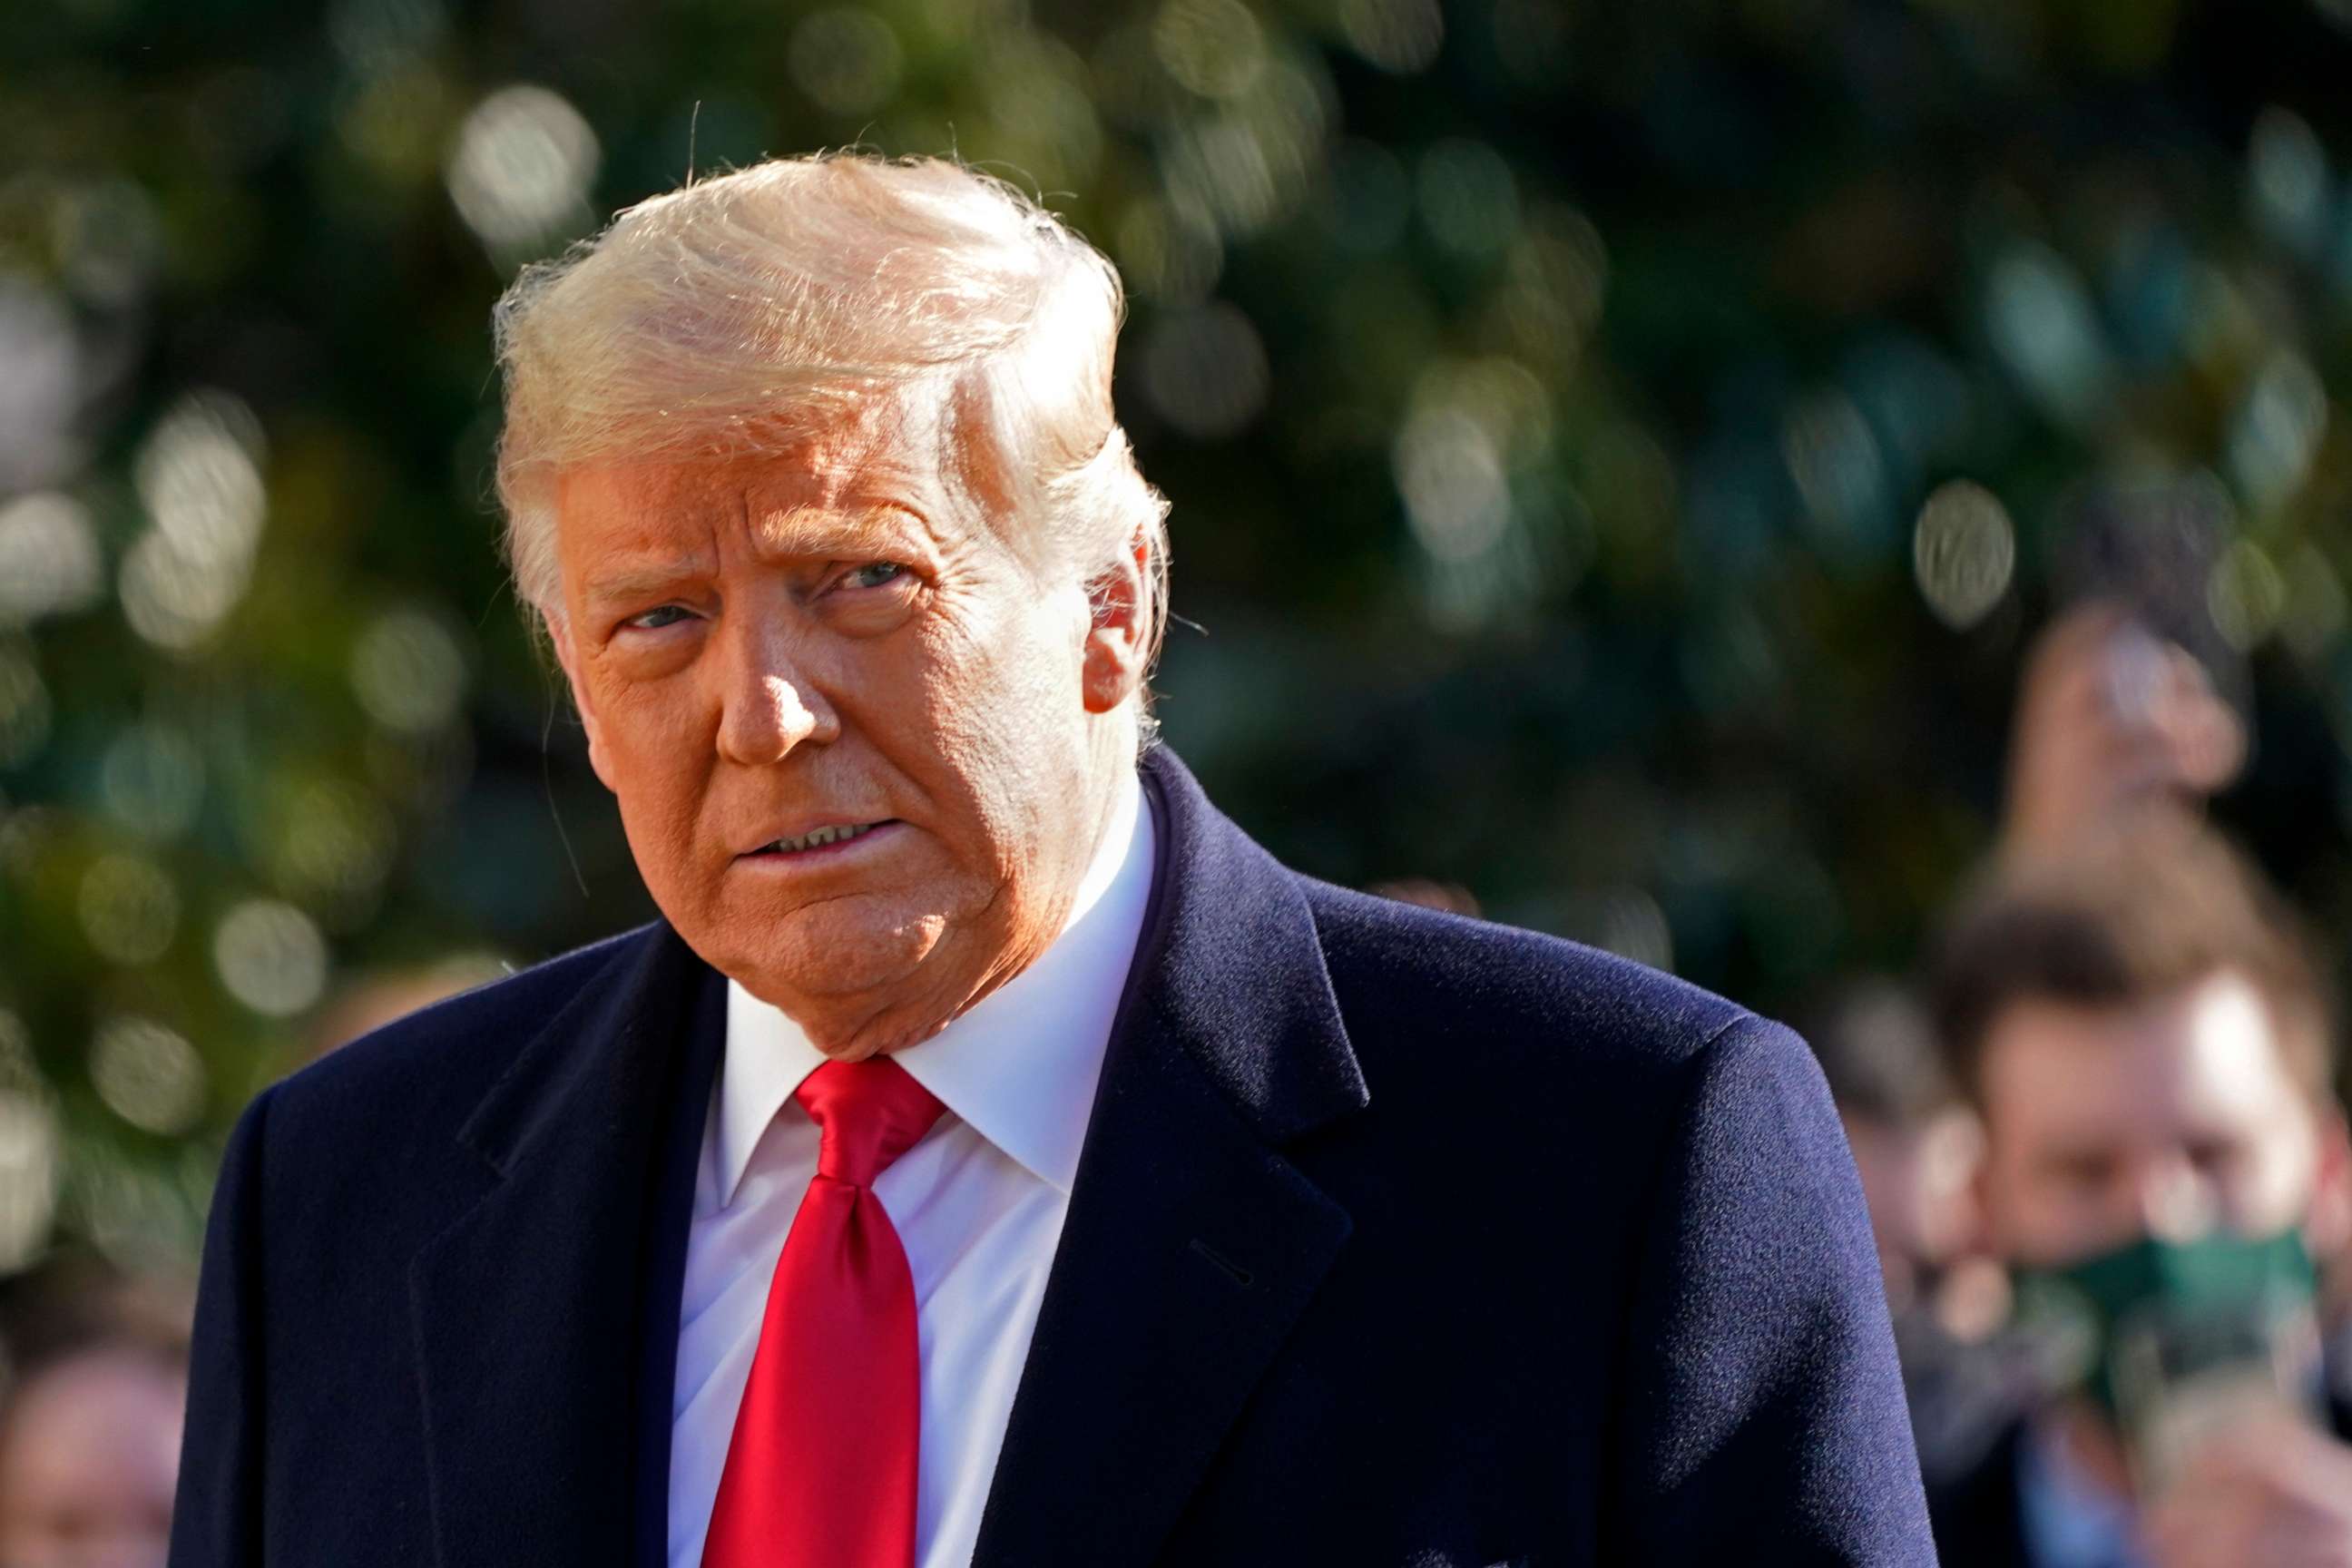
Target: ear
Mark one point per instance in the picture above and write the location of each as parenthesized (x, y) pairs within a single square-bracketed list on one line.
[(1118, 635), (560, 634)]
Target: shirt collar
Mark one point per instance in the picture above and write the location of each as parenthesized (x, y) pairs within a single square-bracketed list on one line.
[(1020, 1066)]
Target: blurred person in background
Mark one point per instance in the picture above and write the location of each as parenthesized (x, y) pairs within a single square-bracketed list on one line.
[(2113, 722), (2119, 724), (1918, 1146), (1246, 1220), (1915, 1141), (90, 1423), (2150, 1050)]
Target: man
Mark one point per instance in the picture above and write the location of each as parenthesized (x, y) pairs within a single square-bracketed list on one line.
[(1914, 1141), (1916, 1144), (90, 1426), (992, 1155), (2150, 1052)]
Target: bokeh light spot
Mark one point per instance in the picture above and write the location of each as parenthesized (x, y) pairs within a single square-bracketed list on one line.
[(270, 957), (1963, 551), (130, 909), (1215, 47), (1402, 36), (1469, 197), (1456, 492), (2278, 428), (2246, 594), (50, 560), (1835, 460), (408, 671), (2041, 325), (153, 780), (42, 392), (520, 168), (30, 1147), (198, 475), (323, 838), (2287, 183), (148, 1075), (109, 241)]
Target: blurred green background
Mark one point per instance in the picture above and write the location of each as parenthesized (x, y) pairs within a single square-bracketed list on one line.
[(1620, 453)]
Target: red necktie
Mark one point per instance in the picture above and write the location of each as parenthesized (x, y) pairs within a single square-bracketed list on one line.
[(820, 1471)]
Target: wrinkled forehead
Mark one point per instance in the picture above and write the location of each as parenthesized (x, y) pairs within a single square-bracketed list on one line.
[(928, 447)]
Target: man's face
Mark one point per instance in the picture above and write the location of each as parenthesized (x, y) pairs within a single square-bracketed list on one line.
[(87, 1464), (1915, 1183), (2169, 1117), (836, 640)]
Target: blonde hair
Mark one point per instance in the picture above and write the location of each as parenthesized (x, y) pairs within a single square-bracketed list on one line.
[(737, 314)]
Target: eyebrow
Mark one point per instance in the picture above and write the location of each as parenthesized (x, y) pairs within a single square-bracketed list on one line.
[(639, 581), (816, 530), (796, 531)]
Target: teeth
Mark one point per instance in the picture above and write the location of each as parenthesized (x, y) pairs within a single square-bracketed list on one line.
[(822, 836)]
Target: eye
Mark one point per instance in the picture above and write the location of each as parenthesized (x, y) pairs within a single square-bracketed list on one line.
[(873, 575), (658, 617)]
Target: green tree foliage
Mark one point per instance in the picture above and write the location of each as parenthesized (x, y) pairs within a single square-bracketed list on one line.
[(1618, 453)]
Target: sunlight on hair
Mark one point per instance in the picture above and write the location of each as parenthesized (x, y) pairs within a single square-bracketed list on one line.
[(734, 316)]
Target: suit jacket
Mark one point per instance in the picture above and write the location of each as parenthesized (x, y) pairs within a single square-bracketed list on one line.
[(1398, 1239)]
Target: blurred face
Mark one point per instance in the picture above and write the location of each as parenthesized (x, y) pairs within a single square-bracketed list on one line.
[(87, 1464), (2170, 1117), (1915, 1181), (864, 745)]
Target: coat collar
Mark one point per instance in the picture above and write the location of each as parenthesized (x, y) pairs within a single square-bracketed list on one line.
[(1193, 1244), (546, 1313), (535, 1333)]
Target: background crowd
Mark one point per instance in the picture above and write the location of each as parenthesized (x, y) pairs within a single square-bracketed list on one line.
[(1849, 501)]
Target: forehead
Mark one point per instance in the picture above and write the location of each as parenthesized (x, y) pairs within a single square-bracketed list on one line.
[(2201, 1060), (869, 468), (886, 443)]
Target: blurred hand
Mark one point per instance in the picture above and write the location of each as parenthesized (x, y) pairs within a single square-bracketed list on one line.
[(2277, 1493), (2111, 717)]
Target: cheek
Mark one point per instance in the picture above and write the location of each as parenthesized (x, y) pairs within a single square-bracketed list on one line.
[(999, 704), (658, 744), (2037, 1215), (2276, 1185)]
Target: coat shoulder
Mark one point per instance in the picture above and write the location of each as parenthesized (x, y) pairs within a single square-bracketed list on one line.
[(429, 1068), (1542, 999)]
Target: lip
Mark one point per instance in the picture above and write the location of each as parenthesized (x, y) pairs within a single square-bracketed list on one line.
[(760, 854)]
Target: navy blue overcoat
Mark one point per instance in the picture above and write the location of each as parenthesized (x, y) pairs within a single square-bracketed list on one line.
[(1397, 1239)]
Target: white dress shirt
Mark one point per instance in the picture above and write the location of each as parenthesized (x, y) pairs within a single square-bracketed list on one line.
[(979, 1202)]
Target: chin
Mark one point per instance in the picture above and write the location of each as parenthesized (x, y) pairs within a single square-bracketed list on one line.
[(843, 948)]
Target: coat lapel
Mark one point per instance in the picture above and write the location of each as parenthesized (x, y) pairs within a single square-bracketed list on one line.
[(531, 1308), (1192, 1244)]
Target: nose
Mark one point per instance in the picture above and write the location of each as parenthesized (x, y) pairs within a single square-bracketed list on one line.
[(768, 705)]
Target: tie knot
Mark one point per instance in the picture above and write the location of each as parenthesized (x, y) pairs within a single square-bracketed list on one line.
[(870, 1112)]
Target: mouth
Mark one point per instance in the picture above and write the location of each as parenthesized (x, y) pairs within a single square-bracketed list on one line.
[(834, 836)]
